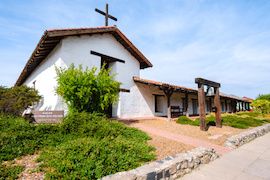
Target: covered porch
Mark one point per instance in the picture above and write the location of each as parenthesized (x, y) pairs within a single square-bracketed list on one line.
[(172, 101)]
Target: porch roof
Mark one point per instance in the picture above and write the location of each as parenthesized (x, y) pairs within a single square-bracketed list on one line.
[(182, 89), (161, 85)]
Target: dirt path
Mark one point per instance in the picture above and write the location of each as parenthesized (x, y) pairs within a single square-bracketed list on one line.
[(185, 135), (181, 138), (30, 172), (166, 147)]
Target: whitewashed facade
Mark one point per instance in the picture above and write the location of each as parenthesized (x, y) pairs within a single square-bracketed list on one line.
[(138, 102)]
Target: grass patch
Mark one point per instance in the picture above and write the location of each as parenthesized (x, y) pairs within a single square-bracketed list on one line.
[(241, 120), (10, 172), (83, 146), (186, 120)]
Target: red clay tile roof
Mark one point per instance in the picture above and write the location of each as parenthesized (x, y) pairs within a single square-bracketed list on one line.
[(51, 38), (156, 83), (182, 88)]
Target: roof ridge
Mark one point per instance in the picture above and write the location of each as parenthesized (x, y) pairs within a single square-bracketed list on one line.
[(81, 28)]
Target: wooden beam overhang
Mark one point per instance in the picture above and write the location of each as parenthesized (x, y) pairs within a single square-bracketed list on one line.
[(207, 82), (106, 57)]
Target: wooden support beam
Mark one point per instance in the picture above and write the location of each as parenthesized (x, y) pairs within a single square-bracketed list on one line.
[(218, 108), (226, 105), (207, 82), (201, 101), (186, 104), (124, 90), (168, 92), (210, 104), (108, 58), (235, 106)]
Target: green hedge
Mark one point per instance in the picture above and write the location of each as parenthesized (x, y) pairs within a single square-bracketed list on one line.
[(241, 120), (186, 120), (84, 146), (10, 172)]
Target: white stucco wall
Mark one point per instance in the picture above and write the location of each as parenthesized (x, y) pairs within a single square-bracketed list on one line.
[(76, 49), (45, 82)]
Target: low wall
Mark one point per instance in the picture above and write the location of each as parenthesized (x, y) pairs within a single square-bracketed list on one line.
[(171, 167), (247, 136)]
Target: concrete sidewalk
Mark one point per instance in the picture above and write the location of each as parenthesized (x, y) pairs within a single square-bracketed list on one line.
[(249, 162)]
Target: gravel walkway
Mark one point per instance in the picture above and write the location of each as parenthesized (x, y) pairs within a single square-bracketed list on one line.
[(181, 138)]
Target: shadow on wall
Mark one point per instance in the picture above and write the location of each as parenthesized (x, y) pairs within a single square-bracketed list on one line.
[(147, 96), (38, 105)]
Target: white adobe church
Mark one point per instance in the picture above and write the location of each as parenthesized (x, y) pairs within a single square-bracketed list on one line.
[(92, 47)]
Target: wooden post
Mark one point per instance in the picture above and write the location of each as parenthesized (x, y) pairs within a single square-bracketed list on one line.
[(234, 106), (168, 106), (168, 92), (201, 100), (248, 106), (210, 104), (226, 104), (218, 108), (186, 104), (201, 97)]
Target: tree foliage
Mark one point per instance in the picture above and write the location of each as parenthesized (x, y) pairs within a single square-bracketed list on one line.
[(264, 97), (261, 106), (16, 99), (87, 90)]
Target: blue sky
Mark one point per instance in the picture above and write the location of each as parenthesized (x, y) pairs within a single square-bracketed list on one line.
[(223, 40)]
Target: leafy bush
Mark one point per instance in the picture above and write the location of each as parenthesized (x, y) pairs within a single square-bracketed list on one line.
[(96, 125), (261, 106), (16, 99), (18, 137), (186, 120), (93, 158), (238, 121), (10, 172), (263, 97), (84, 146), (241, 120), (87, 90)]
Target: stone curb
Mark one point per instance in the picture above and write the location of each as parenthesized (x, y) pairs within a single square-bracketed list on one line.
[(247, 136), (171, 167)]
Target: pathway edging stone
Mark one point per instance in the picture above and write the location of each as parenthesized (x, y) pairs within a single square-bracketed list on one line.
[(171, 167), (246, 136)]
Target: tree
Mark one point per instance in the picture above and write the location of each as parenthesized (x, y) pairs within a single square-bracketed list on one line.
[(261, 106), (264, 97), (16, 99), (86, 90)]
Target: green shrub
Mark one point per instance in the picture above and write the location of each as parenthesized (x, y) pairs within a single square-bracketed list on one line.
[(87, 90), (83, 146), (19, 137), (96, 125), (263, 97), (186, 120), (16, 99), (93, 158), (10, 172), (248, 114), (261, 106), (241, 120)]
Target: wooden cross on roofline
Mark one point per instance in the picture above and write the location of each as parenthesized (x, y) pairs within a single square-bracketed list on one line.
[(106, 14)]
